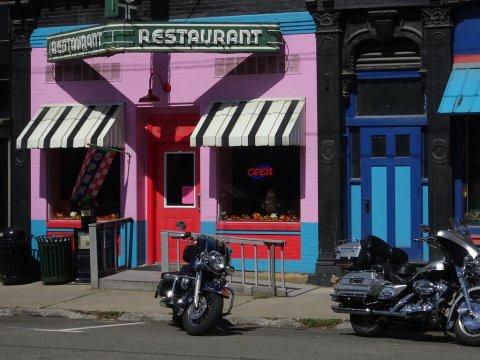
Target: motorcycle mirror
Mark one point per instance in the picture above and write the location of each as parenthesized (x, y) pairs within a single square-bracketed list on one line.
[(425, 228), (181, 225)]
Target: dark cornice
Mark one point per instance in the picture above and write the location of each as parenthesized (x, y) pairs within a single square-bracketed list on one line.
[(329, 5)]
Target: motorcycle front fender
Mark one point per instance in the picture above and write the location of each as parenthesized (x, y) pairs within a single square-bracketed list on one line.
[(453, 314), (215, 288)]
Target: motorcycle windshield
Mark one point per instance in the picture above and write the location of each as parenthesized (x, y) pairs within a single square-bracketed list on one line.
[(461, 227), (206, 243)]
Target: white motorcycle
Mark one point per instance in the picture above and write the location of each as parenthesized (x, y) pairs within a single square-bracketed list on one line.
[(383, 288)]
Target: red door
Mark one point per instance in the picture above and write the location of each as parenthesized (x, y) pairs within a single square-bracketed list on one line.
[(173, 181)]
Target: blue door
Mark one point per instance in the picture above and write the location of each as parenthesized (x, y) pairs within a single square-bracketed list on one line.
[(390, 161)]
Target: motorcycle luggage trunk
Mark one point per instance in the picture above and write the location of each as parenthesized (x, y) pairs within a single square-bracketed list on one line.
[(346, 255)]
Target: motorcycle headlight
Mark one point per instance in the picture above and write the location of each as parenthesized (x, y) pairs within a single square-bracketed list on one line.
[(216, 260)]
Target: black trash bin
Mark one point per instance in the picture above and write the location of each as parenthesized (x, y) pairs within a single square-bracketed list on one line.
[(56, 259), (15, 256)]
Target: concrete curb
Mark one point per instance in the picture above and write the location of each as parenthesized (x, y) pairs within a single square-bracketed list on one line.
[(151, 317)]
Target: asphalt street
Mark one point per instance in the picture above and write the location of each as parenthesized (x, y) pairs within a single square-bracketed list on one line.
[(26, 337)]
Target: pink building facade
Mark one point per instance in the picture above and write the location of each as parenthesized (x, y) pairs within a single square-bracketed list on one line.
[(222, 199)]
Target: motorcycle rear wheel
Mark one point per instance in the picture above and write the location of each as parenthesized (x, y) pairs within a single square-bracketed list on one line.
[(197, 321), (367, 325)]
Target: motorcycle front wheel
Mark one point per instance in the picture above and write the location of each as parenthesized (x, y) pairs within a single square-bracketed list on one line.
[(367, 325), (464, 335), (466, 327), (198, 320)]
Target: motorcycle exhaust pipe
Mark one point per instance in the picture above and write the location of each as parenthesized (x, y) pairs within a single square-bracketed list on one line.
[(344, 310)]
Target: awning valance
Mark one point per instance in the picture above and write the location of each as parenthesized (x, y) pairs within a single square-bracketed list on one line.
[(259, 122), (462, 93), (73, 126)]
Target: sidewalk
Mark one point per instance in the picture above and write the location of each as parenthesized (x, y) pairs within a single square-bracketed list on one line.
[(81, 301)]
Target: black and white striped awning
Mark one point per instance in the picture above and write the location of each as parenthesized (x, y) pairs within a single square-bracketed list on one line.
[(259, 122), (73, 126)]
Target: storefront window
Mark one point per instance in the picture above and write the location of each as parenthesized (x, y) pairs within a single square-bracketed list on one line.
[(64, 168), (259, 184)]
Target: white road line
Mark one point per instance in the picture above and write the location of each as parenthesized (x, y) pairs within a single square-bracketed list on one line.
[(78, 330)]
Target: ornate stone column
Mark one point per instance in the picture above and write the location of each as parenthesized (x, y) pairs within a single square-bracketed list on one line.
[(330, 148), (437, 61), (22, 25)]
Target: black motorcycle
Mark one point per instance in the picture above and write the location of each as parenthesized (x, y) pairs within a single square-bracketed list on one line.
[(196, 293), (383, 288)]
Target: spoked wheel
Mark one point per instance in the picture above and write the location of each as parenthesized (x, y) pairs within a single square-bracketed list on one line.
[(198, 320), (467, 328), (367, 325)]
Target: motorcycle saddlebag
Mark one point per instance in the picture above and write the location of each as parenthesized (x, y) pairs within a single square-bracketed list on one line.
[(167, 282), (359, 284)]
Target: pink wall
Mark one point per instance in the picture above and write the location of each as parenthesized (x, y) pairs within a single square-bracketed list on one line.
[(193, 81)]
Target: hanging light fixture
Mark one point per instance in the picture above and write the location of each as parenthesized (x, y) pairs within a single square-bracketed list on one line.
[(151, 97)]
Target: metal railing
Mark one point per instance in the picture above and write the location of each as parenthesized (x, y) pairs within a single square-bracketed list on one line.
[(120, 261), (165, 237)]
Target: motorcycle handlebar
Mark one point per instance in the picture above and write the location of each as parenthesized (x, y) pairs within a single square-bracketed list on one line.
[(181, 236), (429, 240)]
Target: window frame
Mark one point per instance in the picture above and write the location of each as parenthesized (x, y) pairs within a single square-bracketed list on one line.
[(352, 119), (290, 213)]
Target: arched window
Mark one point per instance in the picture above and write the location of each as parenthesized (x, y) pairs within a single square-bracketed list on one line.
[(399, 54)]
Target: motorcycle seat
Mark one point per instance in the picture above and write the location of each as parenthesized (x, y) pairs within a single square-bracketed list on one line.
[(398, 256), (406, 270), (378, 249), (396, 274)]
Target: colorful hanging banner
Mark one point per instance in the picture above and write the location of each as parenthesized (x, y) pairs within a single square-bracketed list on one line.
[(92, 174)]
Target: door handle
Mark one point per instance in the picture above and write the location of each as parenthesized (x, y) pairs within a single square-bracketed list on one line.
[(198, 201), (367, 206)]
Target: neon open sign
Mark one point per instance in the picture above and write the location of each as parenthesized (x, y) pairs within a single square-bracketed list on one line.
[(260, 172)]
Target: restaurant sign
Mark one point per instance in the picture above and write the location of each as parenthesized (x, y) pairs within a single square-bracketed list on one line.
[(163, 37)]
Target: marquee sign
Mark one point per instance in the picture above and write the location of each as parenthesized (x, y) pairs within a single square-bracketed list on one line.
[(163, 37), (126, 9)]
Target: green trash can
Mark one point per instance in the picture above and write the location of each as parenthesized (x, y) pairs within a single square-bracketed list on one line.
[(15, 256), (56, 259)]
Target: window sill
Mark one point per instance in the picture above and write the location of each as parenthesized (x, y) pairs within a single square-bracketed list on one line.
[(271, 225), (64, 223)]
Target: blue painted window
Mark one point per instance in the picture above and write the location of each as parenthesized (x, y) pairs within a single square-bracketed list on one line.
[(382, 98), (379, 146), (392, 97), (402, 145)]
